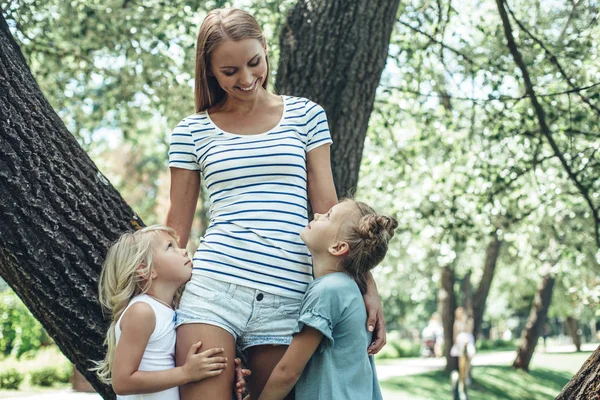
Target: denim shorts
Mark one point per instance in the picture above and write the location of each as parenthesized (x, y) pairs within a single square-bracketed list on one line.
[(251, 316)]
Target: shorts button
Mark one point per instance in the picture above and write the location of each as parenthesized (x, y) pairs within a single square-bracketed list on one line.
[(259, 297)]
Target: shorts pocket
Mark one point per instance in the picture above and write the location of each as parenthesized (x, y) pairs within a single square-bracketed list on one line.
[(199, 291), (289, 310)]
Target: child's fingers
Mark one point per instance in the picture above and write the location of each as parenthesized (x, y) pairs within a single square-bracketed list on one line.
[(214, 372), (237, 362), (245, 372), (215, 366), (194, 348), (212, 352), (216, 360)]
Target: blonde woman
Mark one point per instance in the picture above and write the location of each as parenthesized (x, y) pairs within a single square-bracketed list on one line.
[(139, 284), (262, 158)]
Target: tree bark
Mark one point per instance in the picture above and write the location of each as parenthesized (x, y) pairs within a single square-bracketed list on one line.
[(573, 329), (467, 292), (58, 215), (333, 52), (480, 298), (535, 323), (586, 382), (446, 308)]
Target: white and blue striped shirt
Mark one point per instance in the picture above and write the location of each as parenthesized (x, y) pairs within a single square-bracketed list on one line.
[(257, 187)]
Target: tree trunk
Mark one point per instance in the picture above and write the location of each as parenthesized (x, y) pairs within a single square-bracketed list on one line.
[(333, 52), (586, 382), (446, 308), (480, 298), (58, 214), (467, 292), (535, 323), (573, 330)]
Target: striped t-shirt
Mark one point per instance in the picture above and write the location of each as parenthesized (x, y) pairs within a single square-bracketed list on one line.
[(257, 187)]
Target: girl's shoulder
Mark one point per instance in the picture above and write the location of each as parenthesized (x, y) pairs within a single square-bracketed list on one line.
[(139, 314)]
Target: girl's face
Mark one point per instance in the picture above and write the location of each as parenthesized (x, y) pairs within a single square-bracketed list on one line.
[(240, 67), (323, 231), (171, 263)]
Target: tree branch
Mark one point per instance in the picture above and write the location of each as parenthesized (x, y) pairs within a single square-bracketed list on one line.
[(442, 44), (541, 116), (498, 98), (554, 61)]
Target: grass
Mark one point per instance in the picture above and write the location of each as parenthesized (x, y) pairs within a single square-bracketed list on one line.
[(548, 375)]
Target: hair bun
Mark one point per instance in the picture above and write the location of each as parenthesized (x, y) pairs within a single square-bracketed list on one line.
[(376, 229), (387, 224), (367, 226)]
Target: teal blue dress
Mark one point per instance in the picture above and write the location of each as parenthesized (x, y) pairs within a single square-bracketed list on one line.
[(340, 368)]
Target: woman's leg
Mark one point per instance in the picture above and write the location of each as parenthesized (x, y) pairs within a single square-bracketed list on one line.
[(216, 388), (262, 360)]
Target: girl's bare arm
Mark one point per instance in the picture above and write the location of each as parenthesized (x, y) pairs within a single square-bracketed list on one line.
[(288, 370)]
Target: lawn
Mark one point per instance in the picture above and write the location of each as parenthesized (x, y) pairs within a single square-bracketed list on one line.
[(549, 373)]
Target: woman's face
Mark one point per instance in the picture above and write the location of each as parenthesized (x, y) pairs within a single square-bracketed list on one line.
[(240, 67)]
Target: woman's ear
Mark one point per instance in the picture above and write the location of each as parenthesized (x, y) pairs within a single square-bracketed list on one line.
[(339, 249)]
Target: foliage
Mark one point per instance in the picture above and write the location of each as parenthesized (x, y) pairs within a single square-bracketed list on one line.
[(46, 376), (455, 152), (20, 332), (10, 379), (398, 347), (496, 345), (34, 360)]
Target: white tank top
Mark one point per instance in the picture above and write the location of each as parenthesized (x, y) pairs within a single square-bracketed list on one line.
[(159, 354)]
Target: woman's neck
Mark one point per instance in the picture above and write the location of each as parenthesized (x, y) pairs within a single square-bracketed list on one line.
[(231, 104)]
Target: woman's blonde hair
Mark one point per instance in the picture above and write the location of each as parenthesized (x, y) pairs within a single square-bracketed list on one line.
[(367, 234), (126, 273), (220, 25)]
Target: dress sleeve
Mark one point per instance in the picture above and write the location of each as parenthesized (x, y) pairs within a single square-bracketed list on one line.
[(318, 129), (318, 312), (182, 149)]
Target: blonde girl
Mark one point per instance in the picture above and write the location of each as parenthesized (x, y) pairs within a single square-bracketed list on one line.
[(141, 277), (325, 360), (262, 157)]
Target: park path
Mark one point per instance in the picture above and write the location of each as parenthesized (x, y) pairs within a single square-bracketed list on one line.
[(385, 370)]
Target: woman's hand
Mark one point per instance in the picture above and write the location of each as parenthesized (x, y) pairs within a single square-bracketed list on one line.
[(240, 374), (375, 319)]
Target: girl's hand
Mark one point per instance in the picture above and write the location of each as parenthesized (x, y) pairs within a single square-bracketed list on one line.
[(375, 322), (203, 365), (240, 373)]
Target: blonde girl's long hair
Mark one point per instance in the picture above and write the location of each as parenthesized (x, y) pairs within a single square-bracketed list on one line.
[(126, 273), (220, 25)]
